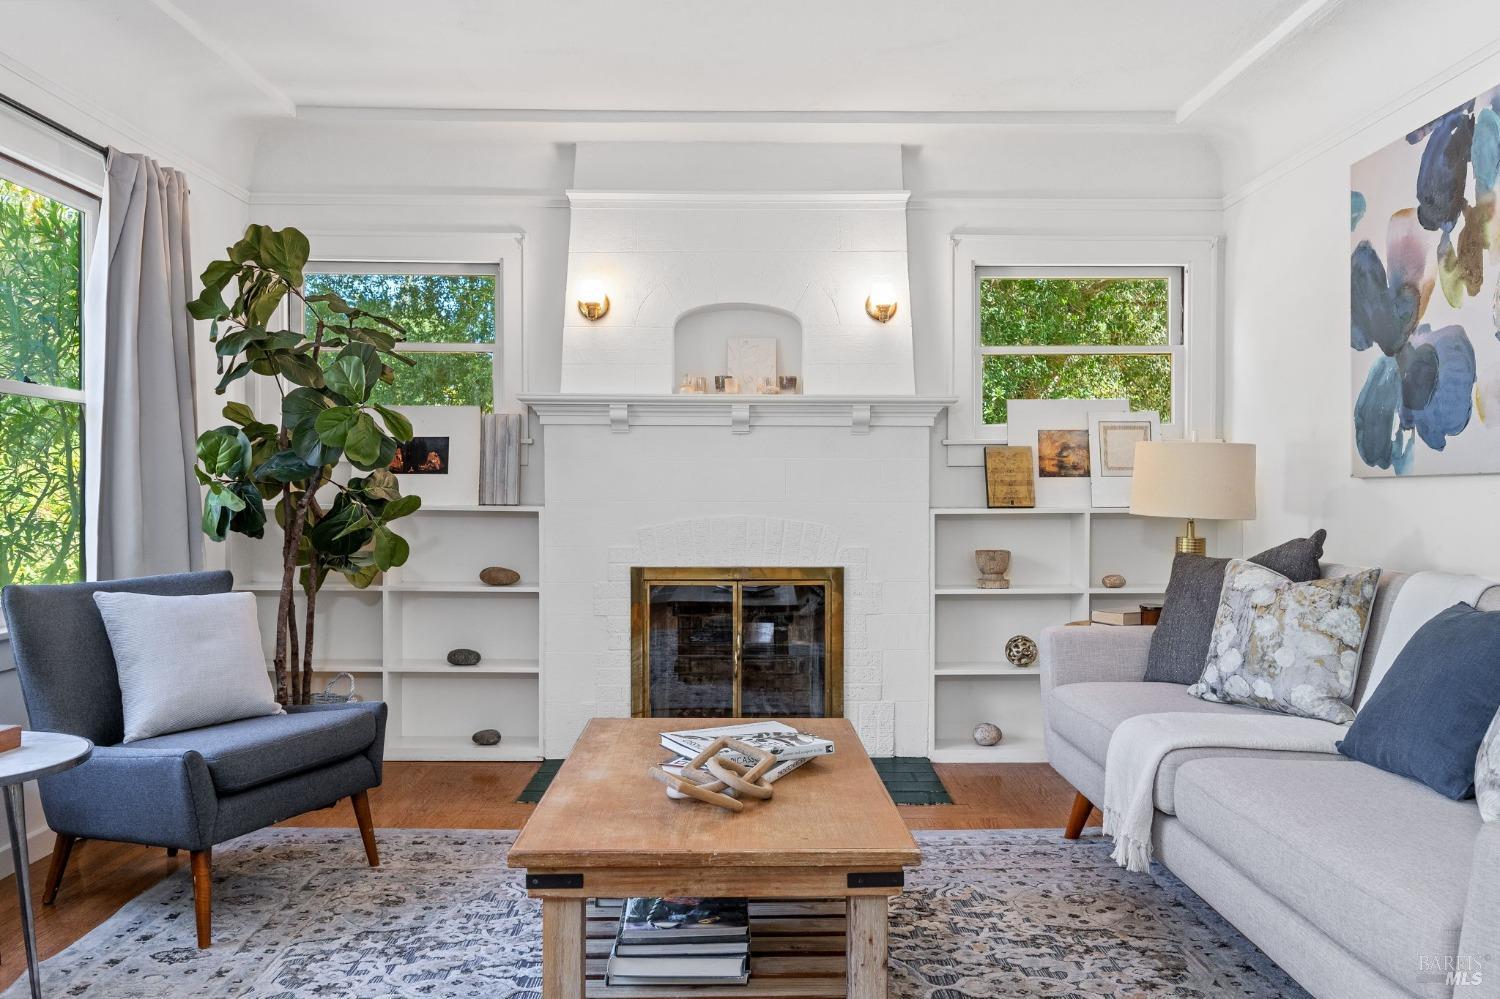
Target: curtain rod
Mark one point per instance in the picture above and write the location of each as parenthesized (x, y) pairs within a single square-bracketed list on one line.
[(53, 124)]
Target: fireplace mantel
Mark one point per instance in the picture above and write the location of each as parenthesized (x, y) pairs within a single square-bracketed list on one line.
[(739, 413)]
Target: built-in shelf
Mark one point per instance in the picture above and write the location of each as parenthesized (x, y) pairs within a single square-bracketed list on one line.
[(462, 748), (394, 637), (971, 681), (985, 669)]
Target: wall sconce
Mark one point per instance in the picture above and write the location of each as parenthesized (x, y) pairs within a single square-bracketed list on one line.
[(593, 303), (880, 304)]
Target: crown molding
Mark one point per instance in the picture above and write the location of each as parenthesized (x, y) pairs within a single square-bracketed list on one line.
[(413, 199), (940, 201), (764, 200)]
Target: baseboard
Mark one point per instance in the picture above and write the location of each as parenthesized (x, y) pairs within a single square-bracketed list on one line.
[(38, 844)]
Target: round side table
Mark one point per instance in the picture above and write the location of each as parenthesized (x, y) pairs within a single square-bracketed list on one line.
[(41, 755)]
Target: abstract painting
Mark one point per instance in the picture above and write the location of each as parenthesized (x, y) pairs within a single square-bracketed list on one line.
[(1425, 299)]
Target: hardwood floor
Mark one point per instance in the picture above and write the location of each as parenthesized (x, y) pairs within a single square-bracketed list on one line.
[(103, 876)]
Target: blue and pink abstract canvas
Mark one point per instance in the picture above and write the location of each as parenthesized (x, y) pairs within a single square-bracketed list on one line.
[(1425, 298)]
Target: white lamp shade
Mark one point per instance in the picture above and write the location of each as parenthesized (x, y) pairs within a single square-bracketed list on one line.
[(1204, 480)]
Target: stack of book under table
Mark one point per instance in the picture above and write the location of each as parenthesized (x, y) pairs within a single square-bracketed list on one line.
[(681, 941)]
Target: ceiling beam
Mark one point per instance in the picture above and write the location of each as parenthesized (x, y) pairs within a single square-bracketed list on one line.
[(227, 55), (1308, 13)]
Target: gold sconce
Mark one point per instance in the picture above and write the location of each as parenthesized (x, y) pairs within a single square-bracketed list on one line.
[(880, 304), (593, 303)]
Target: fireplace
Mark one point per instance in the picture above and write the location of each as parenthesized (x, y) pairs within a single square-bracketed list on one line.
[(738, 642)]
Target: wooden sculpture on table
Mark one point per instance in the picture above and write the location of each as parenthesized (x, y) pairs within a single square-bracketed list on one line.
[(726, 773)]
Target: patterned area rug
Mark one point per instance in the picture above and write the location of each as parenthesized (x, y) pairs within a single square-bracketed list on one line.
[(989, 913)]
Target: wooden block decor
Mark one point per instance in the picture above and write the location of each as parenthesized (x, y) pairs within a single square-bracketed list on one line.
[(1008, 476), (10, 738), (730, 773)]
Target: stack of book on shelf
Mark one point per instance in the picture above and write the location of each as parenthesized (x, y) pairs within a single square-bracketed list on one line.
[(682, 941), (1116, 615)]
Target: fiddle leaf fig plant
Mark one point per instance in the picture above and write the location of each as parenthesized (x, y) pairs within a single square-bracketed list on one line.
[(325, 375)]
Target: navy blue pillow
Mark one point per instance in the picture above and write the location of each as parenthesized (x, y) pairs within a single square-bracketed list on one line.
[(1426, 718)]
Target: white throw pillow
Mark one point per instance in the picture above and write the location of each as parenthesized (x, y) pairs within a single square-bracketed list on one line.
[(1487, 773), (186, 662)]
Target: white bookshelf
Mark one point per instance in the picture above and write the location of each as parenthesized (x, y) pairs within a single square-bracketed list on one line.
[(394, 637), (1058, 556)]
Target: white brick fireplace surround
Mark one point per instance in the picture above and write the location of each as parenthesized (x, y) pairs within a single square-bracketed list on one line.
[(667, 482)]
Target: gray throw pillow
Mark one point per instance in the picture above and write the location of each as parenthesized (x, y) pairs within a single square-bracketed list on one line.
[(186, 662), (1179, 646), (1288, 647), (1487, 773)]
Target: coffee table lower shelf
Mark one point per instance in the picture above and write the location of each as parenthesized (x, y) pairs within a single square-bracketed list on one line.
[(797, 951)]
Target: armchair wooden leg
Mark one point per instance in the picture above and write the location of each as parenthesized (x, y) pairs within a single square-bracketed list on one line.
[(361, 803), (1082, 809), (62, 849), (171, 851), (203, 895)]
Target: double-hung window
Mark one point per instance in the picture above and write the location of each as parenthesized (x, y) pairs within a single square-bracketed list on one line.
[(45, 232), (448, 311), (1079, 333)]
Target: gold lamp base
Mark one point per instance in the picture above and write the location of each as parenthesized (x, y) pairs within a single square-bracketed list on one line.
[(1190, 543)]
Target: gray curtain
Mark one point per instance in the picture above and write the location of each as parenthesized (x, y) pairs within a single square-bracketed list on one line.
[(143, 501)]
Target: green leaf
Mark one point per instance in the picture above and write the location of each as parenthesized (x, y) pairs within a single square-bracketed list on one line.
[(391, 550), (346, 377), (263, 307), (402, 506), (333, 301), (239, 413), (380, 484), (339, 533), (219, 507), (251, 519), (208, 305), (299, 368), (301, 406), (363, 444), (218, 274), (334, 425), (286, 466), (398, 425), (363, 576), (224, 452)]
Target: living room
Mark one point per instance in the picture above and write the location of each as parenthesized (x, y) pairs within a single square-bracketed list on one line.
[(781, 500)]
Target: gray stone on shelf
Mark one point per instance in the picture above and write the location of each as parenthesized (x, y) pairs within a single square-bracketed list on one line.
[(499, 575), (463, 657), (487, 737)]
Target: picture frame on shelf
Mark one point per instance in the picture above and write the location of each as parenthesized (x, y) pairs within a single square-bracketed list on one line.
[(441, 462), (1028, 418), (1112, 440), (751, 361), (1008, 478)]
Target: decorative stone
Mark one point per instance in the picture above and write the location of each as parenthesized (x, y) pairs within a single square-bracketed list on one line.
[(1113, 581), (987, 734), (1021, 651), (994, 564), (463, 657), (487, 737), (499, 575)]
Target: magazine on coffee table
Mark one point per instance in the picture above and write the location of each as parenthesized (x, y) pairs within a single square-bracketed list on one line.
[(777, 738), (677, 765)]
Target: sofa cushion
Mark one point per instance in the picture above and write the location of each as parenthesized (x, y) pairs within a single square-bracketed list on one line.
[(1179, 646), (1379, 863), (254, 751), (1083, 716)]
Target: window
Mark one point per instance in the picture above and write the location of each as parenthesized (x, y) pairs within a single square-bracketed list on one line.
[(1079, 333), (45, 229), (449, 315)]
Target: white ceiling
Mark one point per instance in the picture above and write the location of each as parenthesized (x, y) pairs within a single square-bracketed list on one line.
[(768, 55)]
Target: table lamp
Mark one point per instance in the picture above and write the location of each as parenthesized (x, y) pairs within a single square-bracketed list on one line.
[(1191, 479)]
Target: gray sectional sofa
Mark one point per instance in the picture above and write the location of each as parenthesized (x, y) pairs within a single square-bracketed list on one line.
[(1359, 883)]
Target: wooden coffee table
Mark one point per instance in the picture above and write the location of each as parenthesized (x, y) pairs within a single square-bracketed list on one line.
[(606, 829)]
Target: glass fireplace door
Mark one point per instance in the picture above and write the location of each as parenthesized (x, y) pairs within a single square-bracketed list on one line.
[(752, 643)]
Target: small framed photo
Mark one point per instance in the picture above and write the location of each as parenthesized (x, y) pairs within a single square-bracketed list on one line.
[(441, 461), (1112, 441), (1008, 481)]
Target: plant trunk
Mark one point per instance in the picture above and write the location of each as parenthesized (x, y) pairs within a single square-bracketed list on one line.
[(307, 644), (285, 610), (293, 657)]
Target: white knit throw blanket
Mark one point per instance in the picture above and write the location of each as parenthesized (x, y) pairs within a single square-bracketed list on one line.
[(1139, 745)]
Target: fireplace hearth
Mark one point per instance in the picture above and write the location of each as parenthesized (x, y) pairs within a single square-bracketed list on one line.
[(737, 642)]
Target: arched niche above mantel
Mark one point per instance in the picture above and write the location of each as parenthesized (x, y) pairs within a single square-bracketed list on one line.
[(701, 339)]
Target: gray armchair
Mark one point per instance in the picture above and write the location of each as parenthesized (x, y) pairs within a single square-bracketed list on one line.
[(188, 790)]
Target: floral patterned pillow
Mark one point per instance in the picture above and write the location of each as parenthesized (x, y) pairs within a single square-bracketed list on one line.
[(1285, 646), (1487, 773)]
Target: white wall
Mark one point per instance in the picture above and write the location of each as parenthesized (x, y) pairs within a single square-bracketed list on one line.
[(1287, 375)]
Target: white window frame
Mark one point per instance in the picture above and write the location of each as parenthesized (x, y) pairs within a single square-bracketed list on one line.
[(89, 206), (1194, 259), (494, 349)]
